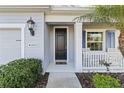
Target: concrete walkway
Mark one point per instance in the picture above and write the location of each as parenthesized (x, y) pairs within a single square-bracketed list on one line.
[(63, 80)]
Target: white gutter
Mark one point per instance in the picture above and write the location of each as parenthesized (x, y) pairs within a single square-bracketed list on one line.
[(24, 6), (46, 8)]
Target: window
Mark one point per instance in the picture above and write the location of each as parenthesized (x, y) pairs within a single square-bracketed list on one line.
[(95, 41)]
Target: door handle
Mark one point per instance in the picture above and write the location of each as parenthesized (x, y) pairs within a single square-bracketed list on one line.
[(18, 40)]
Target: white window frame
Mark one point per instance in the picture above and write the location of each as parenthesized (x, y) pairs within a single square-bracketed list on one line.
[(97, 30)]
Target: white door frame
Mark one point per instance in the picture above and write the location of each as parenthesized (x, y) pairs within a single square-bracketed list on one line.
[(67, 41), (17, 26)]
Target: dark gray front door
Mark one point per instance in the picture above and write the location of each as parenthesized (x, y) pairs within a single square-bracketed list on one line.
[(60, 44)]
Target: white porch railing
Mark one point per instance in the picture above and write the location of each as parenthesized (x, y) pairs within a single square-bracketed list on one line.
[(92, 60)]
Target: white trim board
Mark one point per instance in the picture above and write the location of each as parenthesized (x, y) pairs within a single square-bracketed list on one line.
[(19, 26), (67, 41)]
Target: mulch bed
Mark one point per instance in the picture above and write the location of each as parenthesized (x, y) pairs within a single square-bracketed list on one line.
[(42, 82), (86, 78)]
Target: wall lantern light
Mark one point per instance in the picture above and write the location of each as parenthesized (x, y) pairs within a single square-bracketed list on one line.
[(31, 25)]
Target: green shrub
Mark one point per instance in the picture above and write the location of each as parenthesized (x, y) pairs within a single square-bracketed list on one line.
[(105, 81), (20, 73)]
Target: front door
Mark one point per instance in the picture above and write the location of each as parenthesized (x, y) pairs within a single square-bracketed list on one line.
[(60, 43)]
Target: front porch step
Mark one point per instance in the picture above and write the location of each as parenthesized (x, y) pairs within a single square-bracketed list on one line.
[(60, 68)]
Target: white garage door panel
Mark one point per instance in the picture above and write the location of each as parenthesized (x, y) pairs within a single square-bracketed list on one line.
[(10, 45)]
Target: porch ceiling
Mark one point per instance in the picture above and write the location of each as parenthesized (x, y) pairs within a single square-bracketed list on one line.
[(60, 23)]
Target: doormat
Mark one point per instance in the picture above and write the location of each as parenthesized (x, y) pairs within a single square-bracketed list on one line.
[(61, 63)]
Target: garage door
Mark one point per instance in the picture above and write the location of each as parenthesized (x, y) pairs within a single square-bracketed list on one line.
[(10, 45)]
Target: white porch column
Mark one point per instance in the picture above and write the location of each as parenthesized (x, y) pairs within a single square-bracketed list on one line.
[(78, 46), (117, 33)]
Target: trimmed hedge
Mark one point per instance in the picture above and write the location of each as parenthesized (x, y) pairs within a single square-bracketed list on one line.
[(105, 81), (21, 73)]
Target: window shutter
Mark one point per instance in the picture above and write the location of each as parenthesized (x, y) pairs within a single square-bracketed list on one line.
[(110, 39), (84, 39)]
